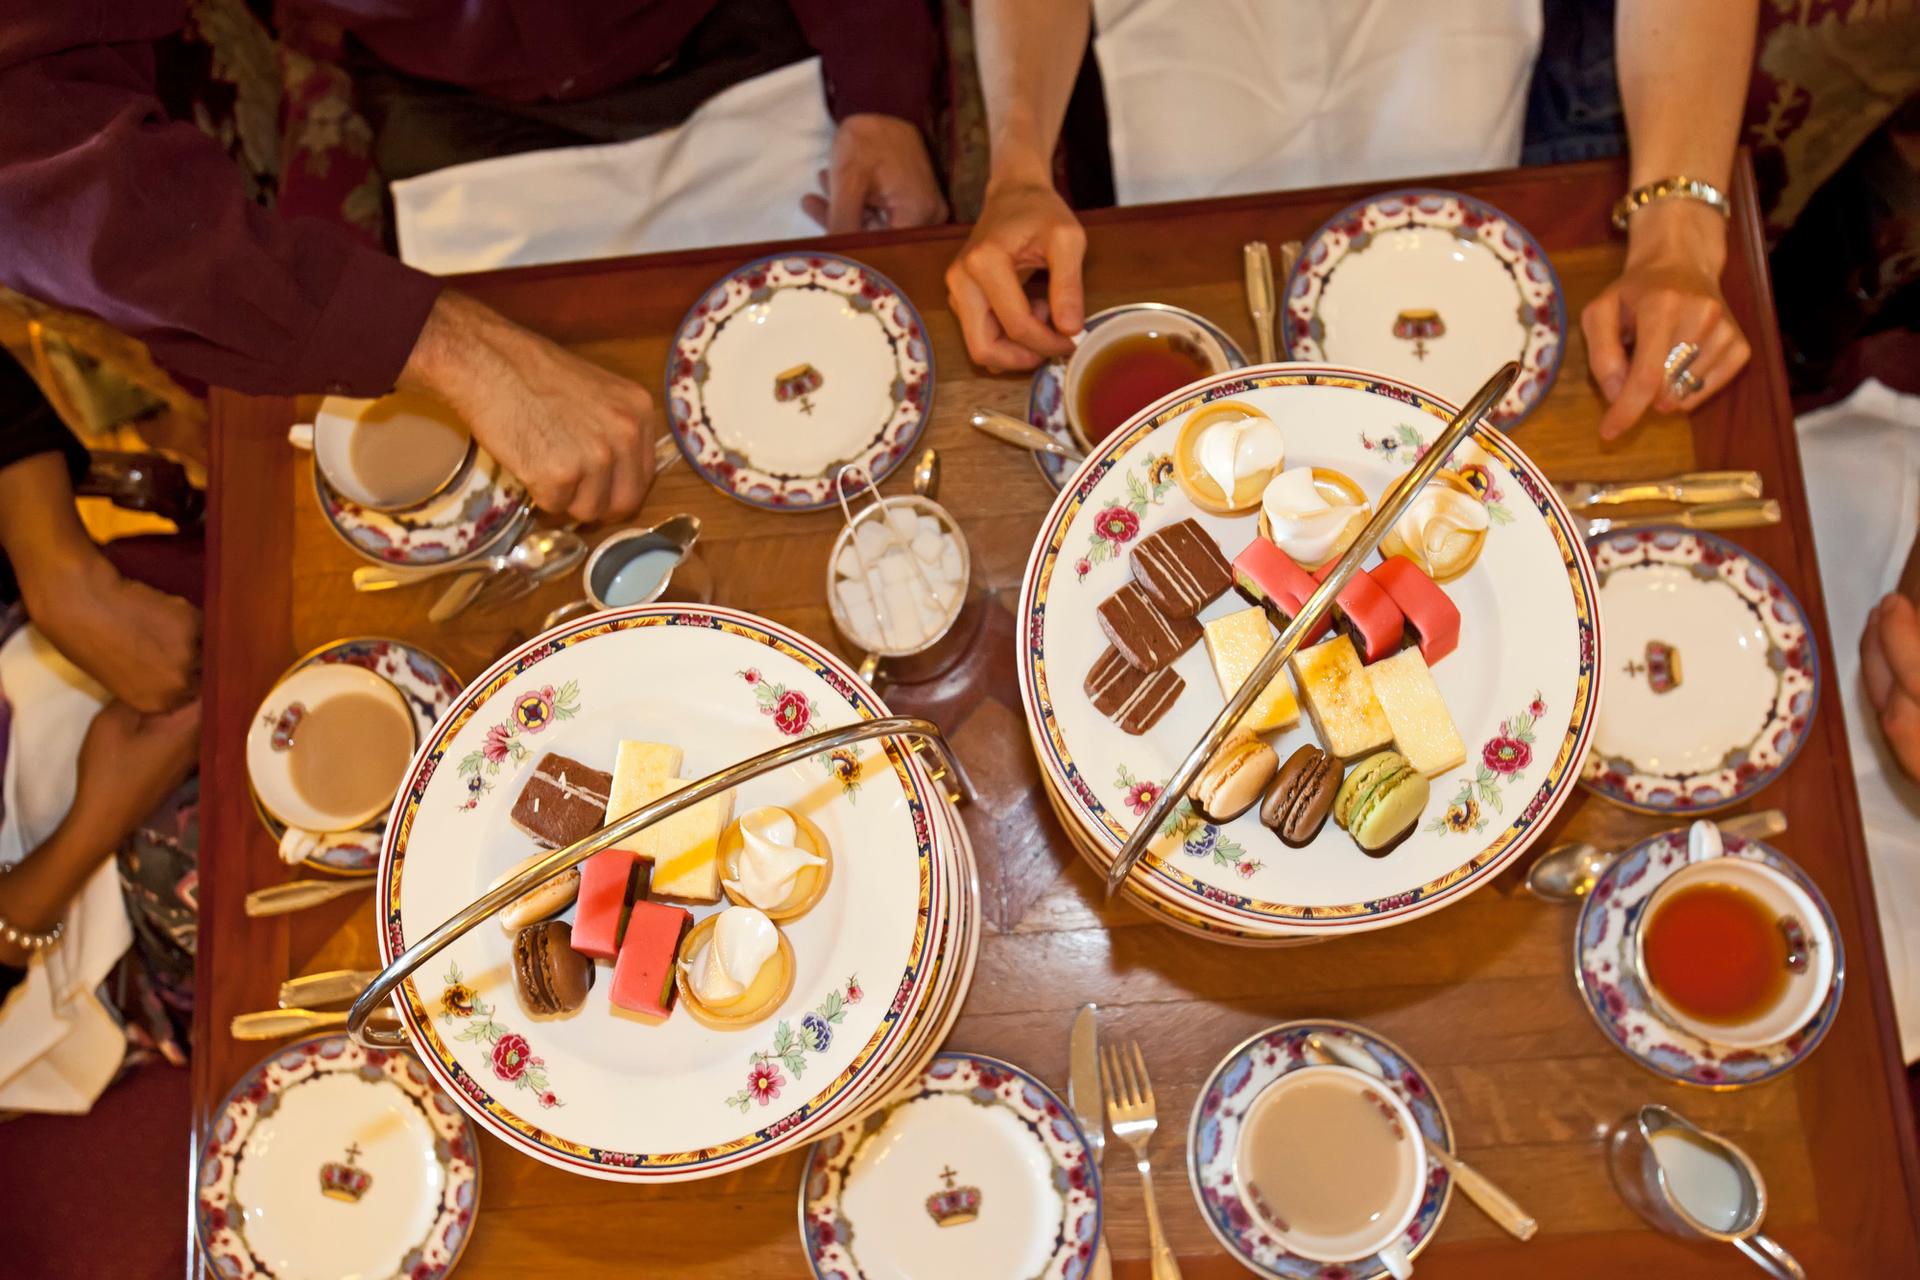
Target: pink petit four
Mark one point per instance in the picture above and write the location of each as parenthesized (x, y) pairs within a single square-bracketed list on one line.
[(1376, 623), (609, 880), (643, 976), (1430, 612), (1270, 576)]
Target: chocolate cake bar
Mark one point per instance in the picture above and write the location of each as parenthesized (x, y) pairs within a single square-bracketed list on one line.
[(1128, 696), (562, 802), (1181, 569), (1145, 637)]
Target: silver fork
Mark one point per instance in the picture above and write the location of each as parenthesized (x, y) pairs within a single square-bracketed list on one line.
[(1131, 1113)]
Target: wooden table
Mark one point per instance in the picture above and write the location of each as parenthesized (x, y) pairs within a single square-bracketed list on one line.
[(1480, 993)]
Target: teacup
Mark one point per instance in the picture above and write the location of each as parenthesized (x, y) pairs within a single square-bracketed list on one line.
[(1174, 347), (1334, 1165), (329, 747), (390, 454), (1799, 942)]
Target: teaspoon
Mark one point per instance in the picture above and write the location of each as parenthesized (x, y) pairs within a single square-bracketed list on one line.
[(1568, 872), (1004, 426)]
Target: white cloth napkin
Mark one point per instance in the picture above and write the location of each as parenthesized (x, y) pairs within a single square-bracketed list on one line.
[(1862, 461), (59, 1045), (733, 173), (1220, 97)]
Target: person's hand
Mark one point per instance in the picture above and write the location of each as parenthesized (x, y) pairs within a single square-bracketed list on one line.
[(1668, 293), (579, 436), (1890, 667), (142, 644), (880, 177), (129, 762), (1024, 226)]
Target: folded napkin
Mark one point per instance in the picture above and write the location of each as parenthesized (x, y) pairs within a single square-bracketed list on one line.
[(59, 1045), (733, 173), (1220, 97)]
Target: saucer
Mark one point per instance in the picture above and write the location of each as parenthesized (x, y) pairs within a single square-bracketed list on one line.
[(791, 367), (426, 685), (1603, 971), (1433, 287), (1214, 1133), (486, 509), (979, 1171), (332, 1159), (1047, 409), (1722, 676)]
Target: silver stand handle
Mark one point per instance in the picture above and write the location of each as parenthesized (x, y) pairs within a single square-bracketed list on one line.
[(563, 859)]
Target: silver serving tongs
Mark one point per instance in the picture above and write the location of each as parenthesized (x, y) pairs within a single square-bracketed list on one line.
[(559, 860), (1303, 623)]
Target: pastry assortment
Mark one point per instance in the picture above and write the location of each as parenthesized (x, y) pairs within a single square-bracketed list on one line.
[(1363, 676), (732, 968)]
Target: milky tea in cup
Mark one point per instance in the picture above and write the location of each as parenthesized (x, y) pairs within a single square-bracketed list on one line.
[(1334, 1165), (330, 747), (392, 453)]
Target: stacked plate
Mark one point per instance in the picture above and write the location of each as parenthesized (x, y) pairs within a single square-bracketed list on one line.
[(882, 962), (1522, 687)]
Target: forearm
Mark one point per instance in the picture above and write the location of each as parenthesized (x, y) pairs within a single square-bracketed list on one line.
[(40, 530), (1029, 53), (1683, 67), (35, 894)]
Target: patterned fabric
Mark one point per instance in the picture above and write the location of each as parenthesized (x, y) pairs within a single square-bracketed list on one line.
[(159, 869)]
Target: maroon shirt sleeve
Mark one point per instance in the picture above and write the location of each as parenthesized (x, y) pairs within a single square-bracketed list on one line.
[(877, 55), (107, 208)]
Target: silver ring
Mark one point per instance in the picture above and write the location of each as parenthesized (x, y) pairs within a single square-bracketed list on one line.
[(1684, 383), (1682, 355)]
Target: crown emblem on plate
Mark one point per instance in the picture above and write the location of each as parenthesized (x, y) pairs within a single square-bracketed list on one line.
[(1662, 667), (797, 383), (345, 1180), (1417, 325), (284, 725), (954, 1206)]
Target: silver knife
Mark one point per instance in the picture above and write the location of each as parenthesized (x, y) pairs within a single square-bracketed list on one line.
[(335, 986), (1258, 263), (1746, 513), (1083, 1095), (1693, 487)]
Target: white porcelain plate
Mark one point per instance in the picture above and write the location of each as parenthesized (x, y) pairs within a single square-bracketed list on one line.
[(328, 1159), (1521, 688), (1604, 974), (792, 366), (1213, 1138), (1434, 287), (979, 1171), (598, 1092), (1716, 676)]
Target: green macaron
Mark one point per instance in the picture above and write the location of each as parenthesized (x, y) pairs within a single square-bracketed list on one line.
[(1381, 798)]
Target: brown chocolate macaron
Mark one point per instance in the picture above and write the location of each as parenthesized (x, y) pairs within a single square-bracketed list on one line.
[(1233, 780), (1302, 795), (549, 974)]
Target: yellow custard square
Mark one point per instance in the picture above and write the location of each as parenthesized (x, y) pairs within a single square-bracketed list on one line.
[(1422, 727), (637, 767), (1236, 643), (1340, 698), (683, 847)]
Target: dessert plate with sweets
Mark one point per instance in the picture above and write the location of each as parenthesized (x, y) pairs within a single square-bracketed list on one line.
[(1416, 743), (727, 983)]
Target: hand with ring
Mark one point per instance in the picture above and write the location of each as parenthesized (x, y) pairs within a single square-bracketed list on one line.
[(1662, 336)]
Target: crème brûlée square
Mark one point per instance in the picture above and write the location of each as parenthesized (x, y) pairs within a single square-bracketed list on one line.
[(1423, 728), (1236, 643), (1340, 698), (684, 847)]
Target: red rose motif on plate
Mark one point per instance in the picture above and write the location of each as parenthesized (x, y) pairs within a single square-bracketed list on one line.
[(764, 1081), (1506, 755), (751, 675), (1116, 525), (790, 713), (511, 1056), (495, 747)]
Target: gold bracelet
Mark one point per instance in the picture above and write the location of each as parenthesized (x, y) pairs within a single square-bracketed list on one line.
[(1678, 187)]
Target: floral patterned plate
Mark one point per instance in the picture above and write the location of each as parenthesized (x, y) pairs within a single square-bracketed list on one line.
[(329, 1159), (1047, 408), (722, 685), (428, 686), (1522, 687), (1434, 287), (1214, 1133), (486, 510), (791, 367), (1603, 971), (979, 1171), (1719, 680)]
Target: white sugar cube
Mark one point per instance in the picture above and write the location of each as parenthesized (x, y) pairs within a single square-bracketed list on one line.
[(928, 545), (905, 522), (894, 567), (873, 538), (950, 566), (856, 599), (902, 617), (848, 563), (932, 525), (946, 591)]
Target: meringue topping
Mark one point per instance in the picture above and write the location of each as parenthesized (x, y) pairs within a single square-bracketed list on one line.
[(1236, 445), (1436, 515), (742, 942), (770, 857), (1300, 520)]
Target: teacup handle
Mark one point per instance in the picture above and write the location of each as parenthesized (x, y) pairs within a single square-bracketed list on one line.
[(300, 436), (296, 844), (1704, 842), (1394, 1258)]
